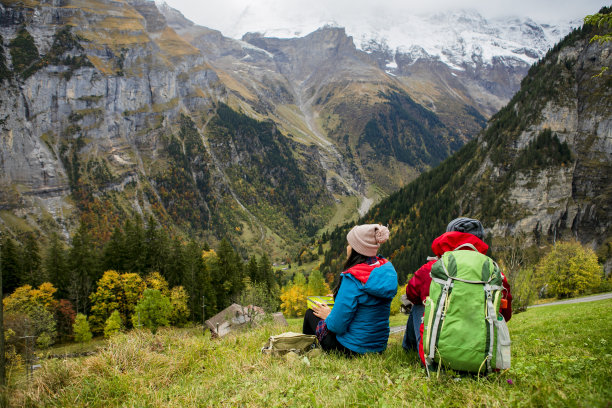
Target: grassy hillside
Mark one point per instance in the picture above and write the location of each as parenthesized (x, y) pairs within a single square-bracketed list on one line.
[(562, 356)]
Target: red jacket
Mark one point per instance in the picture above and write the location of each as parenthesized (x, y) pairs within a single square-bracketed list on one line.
[(417, 289)]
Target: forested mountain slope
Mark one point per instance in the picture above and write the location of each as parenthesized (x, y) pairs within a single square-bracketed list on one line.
[(541, 170)]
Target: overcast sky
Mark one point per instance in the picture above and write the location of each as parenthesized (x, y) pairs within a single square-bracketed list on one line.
[(229, 16)]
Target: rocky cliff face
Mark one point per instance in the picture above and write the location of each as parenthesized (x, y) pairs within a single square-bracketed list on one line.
[(106, 113), (568, 198)]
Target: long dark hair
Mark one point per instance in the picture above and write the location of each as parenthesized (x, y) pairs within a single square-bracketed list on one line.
[(354, 258)]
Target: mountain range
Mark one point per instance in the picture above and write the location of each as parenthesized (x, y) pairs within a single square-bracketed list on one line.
[(114, 109), (540, 172)]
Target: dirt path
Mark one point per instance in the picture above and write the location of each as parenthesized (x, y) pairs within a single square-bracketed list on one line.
[(593, 298)]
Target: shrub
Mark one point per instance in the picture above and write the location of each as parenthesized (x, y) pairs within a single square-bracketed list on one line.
[(523, 288), (81, 330), (569, 269), (152, 311), (113, 324), (397, 301)]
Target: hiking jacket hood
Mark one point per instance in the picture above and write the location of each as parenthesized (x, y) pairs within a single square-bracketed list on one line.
[(360, 317)]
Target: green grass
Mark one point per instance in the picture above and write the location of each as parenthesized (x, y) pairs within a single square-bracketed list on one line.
[(562, 356)]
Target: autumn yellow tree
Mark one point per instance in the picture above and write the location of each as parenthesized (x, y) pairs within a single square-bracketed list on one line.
[(568, 270), (115, 292), (156, 281), (107, 298), (29, 312), (133, 288), (180, 311), (293, 297)]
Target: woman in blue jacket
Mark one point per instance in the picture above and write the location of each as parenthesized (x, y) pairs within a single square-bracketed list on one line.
[(359, 320)]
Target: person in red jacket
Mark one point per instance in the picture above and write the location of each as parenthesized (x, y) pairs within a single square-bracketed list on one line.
[(459, 231)]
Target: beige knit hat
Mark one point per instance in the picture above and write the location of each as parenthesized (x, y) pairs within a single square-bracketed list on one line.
[(366, 238)]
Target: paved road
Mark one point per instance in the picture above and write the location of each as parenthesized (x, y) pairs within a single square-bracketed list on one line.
[(593, 298)]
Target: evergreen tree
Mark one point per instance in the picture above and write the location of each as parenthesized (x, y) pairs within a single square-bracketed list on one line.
[(114, 253), (55, 266), (157, 245), (237, 274), (11, 268), (31, 264), (195, 280), (175, 264), (83, 267), (252, 270), (266, 273), (224, 274), (135, 247)]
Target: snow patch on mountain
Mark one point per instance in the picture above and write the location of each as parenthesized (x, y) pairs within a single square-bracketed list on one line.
[(456, 38), (460, 38)]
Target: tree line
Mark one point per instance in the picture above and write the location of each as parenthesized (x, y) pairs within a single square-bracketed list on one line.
[(79, 277)]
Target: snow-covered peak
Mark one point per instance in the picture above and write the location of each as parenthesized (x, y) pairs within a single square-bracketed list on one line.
[(454, 37), (461, 37)]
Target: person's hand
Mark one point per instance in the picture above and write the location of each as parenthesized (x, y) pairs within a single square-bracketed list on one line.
[(321, 310)]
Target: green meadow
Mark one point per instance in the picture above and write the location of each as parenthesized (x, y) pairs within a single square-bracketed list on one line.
[(561, 356)]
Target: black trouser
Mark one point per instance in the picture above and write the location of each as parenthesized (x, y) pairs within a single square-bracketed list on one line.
[(329, 341)]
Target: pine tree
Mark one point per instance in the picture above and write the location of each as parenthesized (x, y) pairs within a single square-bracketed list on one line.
[(11, 268), (135, 246), (266, 273), (55, 266), (31, 264), (252, 270), (114, 254), (175, 264), (225, 275), (83, 266), (157, 246), (195, 280)]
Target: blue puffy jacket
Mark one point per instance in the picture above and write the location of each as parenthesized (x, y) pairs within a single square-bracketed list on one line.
[(360, 317)]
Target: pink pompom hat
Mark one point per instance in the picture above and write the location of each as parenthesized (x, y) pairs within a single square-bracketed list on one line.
[(366, 238)]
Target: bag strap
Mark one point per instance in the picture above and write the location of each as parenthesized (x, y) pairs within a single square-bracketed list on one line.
[(491, 317), (466, 245), (440, 313)]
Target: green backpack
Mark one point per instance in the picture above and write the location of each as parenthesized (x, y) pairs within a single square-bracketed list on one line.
[(463, 329)]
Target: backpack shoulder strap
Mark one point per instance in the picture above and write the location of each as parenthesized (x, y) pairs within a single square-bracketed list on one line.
[(466, 245)]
